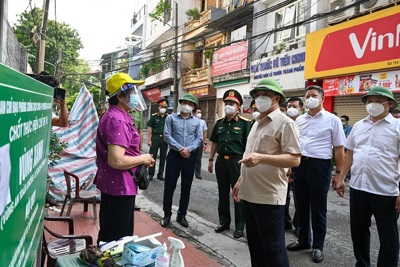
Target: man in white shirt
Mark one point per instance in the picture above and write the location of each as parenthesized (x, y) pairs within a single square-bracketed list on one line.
[(373, 152), (201, 148), (319, 132)]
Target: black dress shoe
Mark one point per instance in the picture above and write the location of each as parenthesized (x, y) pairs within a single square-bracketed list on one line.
[(160, 177), (317, 255), (198, 176), (296, 232), (220, 228), (150, 177), (165, 221), (182, 221), (137, 208), (296, 246), (238, 233)]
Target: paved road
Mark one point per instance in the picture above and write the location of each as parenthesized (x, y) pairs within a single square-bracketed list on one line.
[(202, 217)]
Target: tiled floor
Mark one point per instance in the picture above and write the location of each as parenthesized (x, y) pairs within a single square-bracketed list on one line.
[(144, 225)]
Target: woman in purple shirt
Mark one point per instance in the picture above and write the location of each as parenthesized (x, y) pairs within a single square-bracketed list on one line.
[(117, 149)]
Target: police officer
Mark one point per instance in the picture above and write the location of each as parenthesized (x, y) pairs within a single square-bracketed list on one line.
[(156, 138), (229, 141)]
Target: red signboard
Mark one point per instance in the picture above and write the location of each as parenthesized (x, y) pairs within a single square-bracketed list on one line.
[(229, 59), (199, 91), (153, 94)]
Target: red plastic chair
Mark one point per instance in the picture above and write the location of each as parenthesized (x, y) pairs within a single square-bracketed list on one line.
[(64, 244), (78, 195)]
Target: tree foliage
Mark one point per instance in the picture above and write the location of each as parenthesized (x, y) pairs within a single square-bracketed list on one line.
[(74, 71)]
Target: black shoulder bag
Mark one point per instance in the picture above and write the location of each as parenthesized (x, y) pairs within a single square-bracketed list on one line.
[(141, 176)]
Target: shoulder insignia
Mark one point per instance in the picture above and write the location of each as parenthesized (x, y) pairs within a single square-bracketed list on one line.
[(154, 114), (244, 118)]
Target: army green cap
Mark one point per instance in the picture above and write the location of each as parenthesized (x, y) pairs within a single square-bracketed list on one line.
[(380, 91), (190, 98), (271, 85)]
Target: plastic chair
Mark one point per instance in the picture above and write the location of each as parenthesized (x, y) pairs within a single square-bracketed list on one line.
[(79, 195), (64, 244)]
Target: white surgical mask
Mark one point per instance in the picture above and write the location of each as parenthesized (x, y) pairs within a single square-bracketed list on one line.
[(198, 115), (185, 108), (375, 109), (163, 110), (229, 110), (343, 123), (256, 114), (312, 102), (292, 112), (263, 103)]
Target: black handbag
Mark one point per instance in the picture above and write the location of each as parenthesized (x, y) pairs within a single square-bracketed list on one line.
[(141, 177)]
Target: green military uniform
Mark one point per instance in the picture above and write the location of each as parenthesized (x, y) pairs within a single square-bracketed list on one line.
[(231, 137), (137, 118), (157, 123)]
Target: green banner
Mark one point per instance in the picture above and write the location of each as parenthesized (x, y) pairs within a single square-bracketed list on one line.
[(25, 117)]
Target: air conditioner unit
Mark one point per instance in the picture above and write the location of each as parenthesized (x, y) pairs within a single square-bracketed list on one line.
[(371, 4), (338, 4), (199, 44)]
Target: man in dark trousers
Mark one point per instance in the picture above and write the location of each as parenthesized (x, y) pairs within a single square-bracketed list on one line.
[(228, 139), (155, 138)]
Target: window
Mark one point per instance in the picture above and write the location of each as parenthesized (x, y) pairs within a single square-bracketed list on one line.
[(287, 16)]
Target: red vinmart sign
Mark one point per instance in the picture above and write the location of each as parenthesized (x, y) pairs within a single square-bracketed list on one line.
[(229, 59), (368, 43)]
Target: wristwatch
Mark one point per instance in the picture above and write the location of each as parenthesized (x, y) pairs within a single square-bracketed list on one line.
[(211, 160), (337, 172)]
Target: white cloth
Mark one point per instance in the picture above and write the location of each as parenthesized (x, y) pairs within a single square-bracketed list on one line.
[(319, 133), (376, 153)]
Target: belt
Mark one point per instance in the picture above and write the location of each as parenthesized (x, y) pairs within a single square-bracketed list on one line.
[(310, 158), (230, 156)]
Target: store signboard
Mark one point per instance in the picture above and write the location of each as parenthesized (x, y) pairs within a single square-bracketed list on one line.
[(286, 68), (153, 94), (361, 84), (367, 43), (25, 114), (198, 92), (230, 58)]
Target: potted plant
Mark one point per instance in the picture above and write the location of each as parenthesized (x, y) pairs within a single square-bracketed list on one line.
[(208, 54), (280, 48), (192, 14), (193, 68)]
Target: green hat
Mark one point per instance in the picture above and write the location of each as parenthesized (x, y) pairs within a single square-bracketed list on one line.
[(233, 95), (380, 91), (190, 98), (271, 85)]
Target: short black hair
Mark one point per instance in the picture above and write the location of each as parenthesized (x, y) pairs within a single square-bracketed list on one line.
[(315, 87), (196, 109), (345, 117), (394, 111), (295, 98)]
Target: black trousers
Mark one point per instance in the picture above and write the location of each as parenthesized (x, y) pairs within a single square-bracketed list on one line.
[(116, 217), (157, 142), (266, 235), (178, 166), (311, 182), (362, 206)]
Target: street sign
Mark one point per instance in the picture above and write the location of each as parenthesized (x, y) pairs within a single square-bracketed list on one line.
[(25, 115)]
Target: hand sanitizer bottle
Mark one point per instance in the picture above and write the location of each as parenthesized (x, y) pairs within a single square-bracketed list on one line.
[(163, 258)]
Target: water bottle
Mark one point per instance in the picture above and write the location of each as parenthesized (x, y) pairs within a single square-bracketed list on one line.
[(163, 258)]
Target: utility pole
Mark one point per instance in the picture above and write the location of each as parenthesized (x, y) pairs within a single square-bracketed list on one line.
[(42, 44), (176, 85)]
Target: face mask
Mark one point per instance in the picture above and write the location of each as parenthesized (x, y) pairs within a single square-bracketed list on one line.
[(163, 110), (255, 115), (133, 101), (343, 123), (229, 110), (292, 112), (312, 102), (198, 115), (186, 109), (375, 109), (263, 103)]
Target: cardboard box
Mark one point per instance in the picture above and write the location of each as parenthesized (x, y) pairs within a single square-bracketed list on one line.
[(143, 259)]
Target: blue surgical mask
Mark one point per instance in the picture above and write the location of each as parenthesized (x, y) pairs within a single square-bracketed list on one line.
[(133, 101), (343, 123)]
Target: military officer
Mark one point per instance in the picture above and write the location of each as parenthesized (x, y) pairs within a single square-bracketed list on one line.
[(156, 138), (229, 141)]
